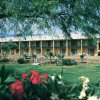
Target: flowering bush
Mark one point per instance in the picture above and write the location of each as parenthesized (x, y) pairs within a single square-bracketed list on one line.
[(24, 75), (34, 86), (17, 89), (5, 80), (35, 77)]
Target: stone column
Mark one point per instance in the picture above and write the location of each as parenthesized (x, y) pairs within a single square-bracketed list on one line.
[(97, 47), (41, 48), (81, 46), (19, 49), (53, 47), (66, 47), (29, 47)]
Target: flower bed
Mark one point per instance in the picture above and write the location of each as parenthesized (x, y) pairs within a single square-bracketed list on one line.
[(34, 86)]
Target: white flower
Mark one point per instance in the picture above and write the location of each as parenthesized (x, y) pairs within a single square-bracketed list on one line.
[(54, 96), (93, 98), (60, 76), (84, 79), (85, 87), (82, 94), (53, 78), (60, 82)]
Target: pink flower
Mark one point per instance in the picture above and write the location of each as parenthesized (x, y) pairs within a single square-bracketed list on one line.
[(17, 89), (24, 75), (35, 77), (45, 75)]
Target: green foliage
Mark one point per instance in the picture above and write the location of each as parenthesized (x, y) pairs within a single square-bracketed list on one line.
[(68, 15), (69, 62), (5, 75), (51, 88), (34, 55), (26, 55), (91, 43), (21, 61), (61, 62), (6, 47), (5, 80), (4, 60), (24, 44), (82, 57), (60, 56), (94, 88)]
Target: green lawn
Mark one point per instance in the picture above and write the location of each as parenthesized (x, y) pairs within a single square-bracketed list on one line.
[(70, 73)]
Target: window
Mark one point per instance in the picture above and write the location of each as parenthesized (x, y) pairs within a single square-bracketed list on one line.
[(85, 43), (62, 51), (73, 43), (48, 51), (17, 51), (26, 50), (38, 51), (62, 44), (91, 52), (49, 43), (38, 44), (73, 52), (57, 44)]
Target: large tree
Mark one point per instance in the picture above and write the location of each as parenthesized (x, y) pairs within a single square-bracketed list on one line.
[(6, 47), (67, 15)]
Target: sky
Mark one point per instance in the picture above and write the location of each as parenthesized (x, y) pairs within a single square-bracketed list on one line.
[(36, 32)]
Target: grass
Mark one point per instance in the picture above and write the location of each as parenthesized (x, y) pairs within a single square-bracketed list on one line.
[(70, 73)]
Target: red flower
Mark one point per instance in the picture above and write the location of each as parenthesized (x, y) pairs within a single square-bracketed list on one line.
[(24, 75), (17, 89), (45, 75), (35, 77)]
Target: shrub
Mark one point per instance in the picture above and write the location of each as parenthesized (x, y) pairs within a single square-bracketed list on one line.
[(60, 56), (6, 78), (21, 61), (4, 60), (59, 62), (82, 57), (37, 86), (34, 55), (26, 55), (69, 62)]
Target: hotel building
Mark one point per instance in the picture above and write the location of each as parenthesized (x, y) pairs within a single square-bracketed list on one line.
[(44, 44)]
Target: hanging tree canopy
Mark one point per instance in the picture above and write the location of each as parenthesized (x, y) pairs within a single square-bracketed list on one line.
[(21, 16)]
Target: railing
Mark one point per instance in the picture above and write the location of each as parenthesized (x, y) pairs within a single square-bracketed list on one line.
[(74, 46), (24, 46), (47, 46), (35, 46), (60, 46), (89, 45)]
